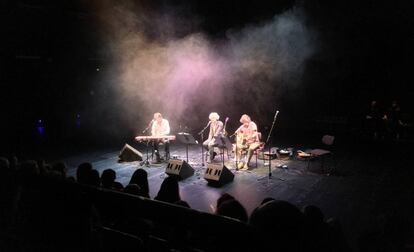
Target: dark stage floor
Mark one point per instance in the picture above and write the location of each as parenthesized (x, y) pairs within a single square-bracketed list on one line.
[(369, 180)]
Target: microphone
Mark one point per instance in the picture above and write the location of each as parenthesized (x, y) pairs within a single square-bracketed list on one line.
[(147, 128), (199, 133), (277, 112), (237, 131)]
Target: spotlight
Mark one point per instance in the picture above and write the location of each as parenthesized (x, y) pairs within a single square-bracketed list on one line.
[(40, 127)]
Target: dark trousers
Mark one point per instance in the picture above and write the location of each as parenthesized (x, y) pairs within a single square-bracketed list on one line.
[(156, 145)]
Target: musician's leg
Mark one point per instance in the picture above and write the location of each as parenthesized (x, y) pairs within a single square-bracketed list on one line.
[(205, 144), (156, 150), (239, 155), (252, 148), (211, 145), (167, 150), (211, 151)]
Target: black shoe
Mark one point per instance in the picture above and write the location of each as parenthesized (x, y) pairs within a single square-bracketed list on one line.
[(157, 158)]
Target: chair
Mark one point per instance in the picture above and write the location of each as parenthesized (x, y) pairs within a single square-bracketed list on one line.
[(223, 145), (327, 141), (261, 147), (256, 151)]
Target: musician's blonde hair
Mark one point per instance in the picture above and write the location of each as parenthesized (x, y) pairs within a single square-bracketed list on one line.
[(157, 115), (214, 116), (245, 118)]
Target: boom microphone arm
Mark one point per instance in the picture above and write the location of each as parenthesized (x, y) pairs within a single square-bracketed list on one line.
[(273, 124)]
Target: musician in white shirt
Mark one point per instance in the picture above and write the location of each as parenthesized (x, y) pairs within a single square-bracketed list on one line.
[(247, 140), (160, 127), (216, 129)]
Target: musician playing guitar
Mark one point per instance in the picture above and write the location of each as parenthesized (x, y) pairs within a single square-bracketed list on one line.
[(160, 127), (216, 130), (247, 140)]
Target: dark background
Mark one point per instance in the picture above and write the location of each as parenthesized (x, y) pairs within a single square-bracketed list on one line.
[(53, 65)]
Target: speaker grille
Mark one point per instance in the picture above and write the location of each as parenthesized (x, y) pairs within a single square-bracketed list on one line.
[(179, 168), (217, 175)]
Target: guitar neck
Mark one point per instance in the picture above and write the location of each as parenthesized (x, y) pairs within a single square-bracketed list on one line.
[(224, 127)]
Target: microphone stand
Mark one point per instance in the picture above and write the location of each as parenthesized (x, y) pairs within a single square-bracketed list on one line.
[(147, 128), (146, 162), (269, 145), (202, 142), (236, 151)]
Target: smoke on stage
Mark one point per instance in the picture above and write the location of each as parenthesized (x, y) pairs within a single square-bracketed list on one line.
[(161, 60)]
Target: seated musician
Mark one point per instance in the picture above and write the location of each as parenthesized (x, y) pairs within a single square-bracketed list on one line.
[(160, 127), (216, 129), (247, 140)]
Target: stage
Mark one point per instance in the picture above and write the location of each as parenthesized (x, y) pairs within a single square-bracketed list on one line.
[(367, 181)]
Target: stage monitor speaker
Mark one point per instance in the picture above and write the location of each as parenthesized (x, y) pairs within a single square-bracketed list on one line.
[(179, 168), (129, 154), (218, 175)]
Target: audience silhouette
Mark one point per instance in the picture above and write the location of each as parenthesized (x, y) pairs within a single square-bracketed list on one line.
[(140, 178), (43, 209), (169, 191)]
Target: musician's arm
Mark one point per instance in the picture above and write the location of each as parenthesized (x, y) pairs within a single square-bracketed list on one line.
[(219, 129), (255, 136), (167, 128), (153, 129), (238, 130), (255, 133), (210, 133), (254, 126)]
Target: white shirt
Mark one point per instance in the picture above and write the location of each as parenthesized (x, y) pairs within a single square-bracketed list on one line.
[(249, 133), (160, 129)]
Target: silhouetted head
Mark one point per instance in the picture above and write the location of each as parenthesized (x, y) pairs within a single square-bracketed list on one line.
[(169, 190), (117, 186), (140, 177), (313, 214), (280, 222), (132, 189), (232, 208), (82, 173), (108, 178), (224, 197), (94, 179)]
